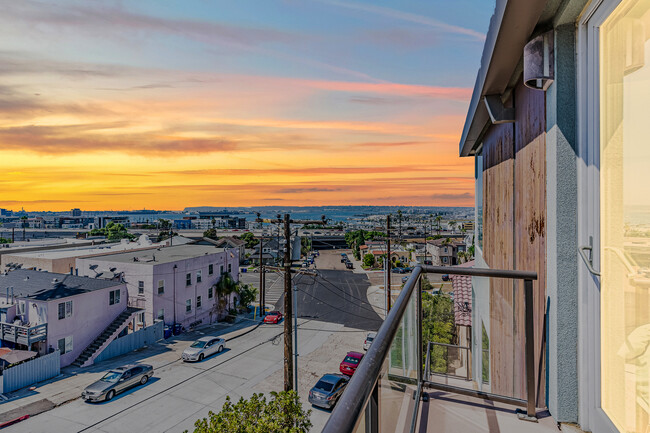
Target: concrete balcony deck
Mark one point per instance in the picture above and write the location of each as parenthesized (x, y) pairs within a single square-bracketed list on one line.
[(453, 413)]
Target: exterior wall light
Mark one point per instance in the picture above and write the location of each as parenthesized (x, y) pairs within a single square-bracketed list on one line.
[(539, 62)]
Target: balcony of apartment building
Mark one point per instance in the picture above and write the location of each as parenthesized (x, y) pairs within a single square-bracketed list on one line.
[(410, 380)]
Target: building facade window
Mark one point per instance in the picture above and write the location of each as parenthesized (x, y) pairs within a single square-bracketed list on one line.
[(221, 269), (114, 297), (161, 287), (161, 314), (230, 268), (140, 287), (210, 269), (198, 302), (198, 276), (65, 309), (188, 279), (65, 345), (209, 292), (188, 305)]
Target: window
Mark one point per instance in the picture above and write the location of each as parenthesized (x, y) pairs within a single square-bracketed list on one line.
[(161, 287), (444, 260), (478, 194), (188, 279), (221, 269), (198, 276), (114, 297), (188, 305), (209, 292), (198, 302), (161, 314), (230, 268), (140, 287), (65, 345), (210, 269), (65, 309)]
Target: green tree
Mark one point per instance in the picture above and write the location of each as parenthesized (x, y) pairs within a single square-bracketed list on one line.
[(5, 241), (369, 260), (438, 325), (247, 294), (164, 225), (282, 414), (210, 233), (438, 220), (225, 287), (250, 239)]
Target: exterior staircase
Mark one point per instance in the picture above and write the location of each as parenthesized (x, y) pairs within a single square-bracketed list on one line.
[(87, 357)]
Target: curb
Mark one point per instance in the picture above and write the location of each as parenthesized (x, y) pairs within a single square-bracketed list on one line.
[(13, 421)]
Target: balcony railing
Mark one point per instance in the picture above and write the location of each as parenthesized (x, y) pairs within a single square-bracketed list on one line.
[(380, 394), (23, 334), (136, 302)]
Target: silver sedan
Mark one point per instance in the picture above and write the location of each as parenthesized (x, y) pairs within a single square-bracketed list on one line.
[(118, 380), (203, 347)]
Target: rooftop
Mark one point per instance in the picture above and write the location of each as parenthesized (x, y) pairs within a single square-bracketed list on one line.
[(41, 285), (161, 255)]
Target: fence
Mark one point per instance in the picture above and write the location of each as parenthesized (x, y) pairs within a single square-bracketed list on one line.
[(132, 341), (30, 372)]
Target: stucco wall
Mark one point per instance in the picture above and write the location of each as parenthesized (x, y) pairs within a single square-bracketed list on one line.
[(91, 314)]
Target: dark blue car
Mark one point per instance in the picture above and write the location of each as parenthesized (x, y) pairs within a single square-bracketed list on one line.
[(328, 390)]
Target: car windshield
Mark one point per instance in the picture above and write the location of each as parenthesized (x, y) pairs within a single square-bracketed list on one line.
[(111, 376), (324, 386), (199, 344), (369, 338), (351, 360)]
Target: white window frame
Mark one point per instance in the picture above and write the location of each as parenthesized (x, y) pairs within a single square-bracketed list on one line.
[(161, 286), (199, 276)]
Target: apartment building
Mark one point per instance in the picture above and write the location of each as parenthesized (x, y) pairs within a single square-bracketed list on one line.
[(174, 284)]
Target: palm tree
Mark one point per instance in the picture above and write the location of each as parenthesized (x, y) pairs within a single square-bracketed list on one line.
[(438, 219), (452, 224), (225, 287)]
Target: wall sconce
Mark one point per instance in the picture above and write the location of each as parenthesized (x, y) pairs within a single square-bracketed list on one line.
[(539, 62)]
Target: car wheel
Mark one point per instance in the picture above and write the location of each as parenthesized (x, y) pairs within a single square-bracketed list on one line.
[(220, 349), (110, 395), (201, 357), (144, 379)]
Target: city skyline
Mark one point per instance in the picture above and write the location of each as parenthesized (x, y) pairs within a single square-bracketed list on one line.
[(169, 105)]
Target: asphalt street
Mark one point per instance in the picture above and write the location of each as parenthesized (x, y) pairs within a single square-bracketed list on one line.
[(334, 316)]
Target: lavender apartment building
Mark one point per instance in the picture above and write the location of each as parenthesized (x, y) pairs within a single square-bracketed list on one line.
[(173, 284), (42, 311)]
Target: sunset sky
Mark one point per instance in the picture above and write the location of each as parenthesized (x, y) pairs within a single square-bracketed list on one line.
[(167, 104)]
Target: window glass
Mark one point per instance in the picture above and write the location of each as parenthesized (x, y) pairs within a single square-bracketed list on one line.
[(140, 287), (188, 305), (210, 269), (198, 276), (625, 215), (161, 314), (62, 310), (198, 302), (188, 279), (161, 286)]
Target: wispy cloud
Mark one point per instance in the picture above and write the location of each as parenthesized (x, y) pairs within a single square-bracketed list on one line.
[(407, 17)]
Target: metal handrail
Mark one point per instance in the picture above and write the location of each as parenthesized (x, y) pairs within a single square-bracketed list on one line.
[(362, 385)]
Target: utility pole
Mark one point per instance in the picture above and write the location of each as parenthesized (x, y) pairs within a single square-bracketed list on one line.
[(289, 368), (388, 266), (295, 336), (288, 349), (262, 276)]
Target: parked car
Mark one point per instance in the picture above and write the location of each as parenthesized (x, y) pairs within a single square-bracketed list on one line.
[(405, 279), (328, 390), (273, 317), (428, 262), (203, 347), (117, 380), (349, 364), (398, 270), (369, 339), (445, 277), (349, 265)]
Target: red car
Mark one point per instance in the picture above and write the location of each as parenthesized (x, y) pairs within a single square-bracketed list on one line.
[(273, 317), (349, 364)]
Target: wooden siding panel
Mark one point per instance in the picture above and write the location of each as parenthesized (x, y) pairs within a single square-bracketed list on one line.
[(498, 251), (530, 224), (514, 195)]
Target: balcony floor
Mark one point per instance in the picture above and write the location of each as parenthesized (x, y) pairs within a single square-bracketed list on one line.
[(453, 413)]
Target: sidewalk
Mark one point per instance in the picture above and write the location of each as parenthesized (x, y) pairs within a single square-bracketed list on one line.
[(72, 380)]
